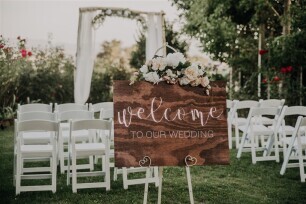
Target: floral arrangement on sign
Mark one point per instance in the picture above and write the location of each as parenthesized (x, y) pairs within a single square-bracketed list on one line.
[(173, 69)]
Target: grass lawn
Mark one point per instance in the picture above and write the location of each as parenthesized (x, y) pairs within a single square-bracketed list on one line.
[(240, 182)]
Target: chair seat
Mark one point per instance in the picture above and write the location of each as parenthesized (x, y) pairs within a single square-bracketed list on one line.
[(36, 150), (89, 149), (80, 135)]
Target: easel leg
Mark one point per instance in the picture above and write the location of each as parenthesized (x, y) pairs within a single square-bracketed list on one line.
[(145, 196), (160, 176), (189, 184)]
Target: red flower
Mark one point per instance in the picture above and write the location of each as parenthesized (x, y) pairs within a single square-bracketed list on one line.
[(29, 54), (262, 52), (1, 46), (283, 70), (264, 81), (289, 69), (23, 53), (276, 78)]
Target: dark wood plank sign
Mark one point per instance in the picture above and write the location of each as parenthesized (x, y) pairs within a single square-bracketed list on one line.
[(160, 125)]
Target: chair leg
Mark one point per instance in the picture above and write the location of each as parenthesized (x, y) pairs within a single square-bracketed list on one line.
[(241, 145), (74, 173), (54, 172), (276, 148), (115, 174), (18, 174), (230, 139), (253, 149), (91, 163), (107, 174), (124, 176), (237, 137), (286, 159)]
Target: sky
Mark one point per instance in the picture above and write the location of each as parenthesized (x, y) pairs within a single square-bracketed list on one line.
[(38, 20)]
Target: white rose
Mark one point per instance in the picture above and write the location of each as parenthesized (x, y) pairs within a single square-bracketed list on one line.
[(144, 69), (173, 59), (184, 81), (204, 81), (158, 63), (152, 77), (192, 72)]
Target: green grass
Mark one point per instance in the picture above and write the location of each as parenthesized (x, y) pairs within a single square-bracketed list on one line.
[(239, 182)]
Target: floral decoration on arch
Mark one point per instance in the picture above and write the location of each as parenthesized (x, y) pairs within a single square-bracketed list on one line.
[(173, 69), (125, 13)]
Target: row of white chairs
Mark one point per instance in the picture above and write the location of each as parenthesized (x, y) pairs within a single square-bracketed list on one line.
[(266, 130), (62, 114), (48, 152)]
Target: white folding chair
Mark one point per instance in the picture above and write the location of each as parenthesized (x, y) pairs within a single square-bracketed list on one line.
[(90, 148), (254, 128), (31, 138), (83, 136), (34, 107), (36, 151), (289, 149), (238, 119), (230, 106)]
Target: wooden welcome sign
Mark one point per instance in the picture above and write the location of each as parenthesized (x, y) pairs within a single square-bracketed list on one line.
[(169, 125)]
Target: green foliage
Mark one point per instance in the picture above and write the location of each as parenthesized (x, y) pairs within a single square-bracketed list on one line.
[(138, 56), (111, 64), (228, 30), (39, 75)]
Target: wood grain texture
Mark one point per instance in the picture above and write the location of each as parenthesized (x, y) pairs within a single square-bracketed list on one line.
[(168, 122)]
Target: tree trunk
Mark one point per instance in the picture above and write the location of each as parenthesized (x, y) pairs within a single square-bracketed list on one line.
[(286, 18)]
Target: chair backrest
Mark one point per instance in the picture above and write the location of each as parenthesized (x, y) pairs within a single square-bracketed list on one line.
[(95, 124), (103, 105), (271, 102), (105, 109), (255, 114), (70, 107), (34, 107), (291, 111), (230, 105), (247, 104), (37, 125), (91, 125), (36, 115), (74, 115)]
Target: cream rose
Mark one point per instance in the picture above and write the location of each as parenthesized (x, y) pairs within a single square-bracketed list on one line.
[(158, 63), (191, 72)]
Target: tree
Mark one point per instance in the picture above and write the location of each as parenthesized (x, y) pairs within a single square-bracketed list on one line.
[(173, 38), (229, 30), (112, 63)]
